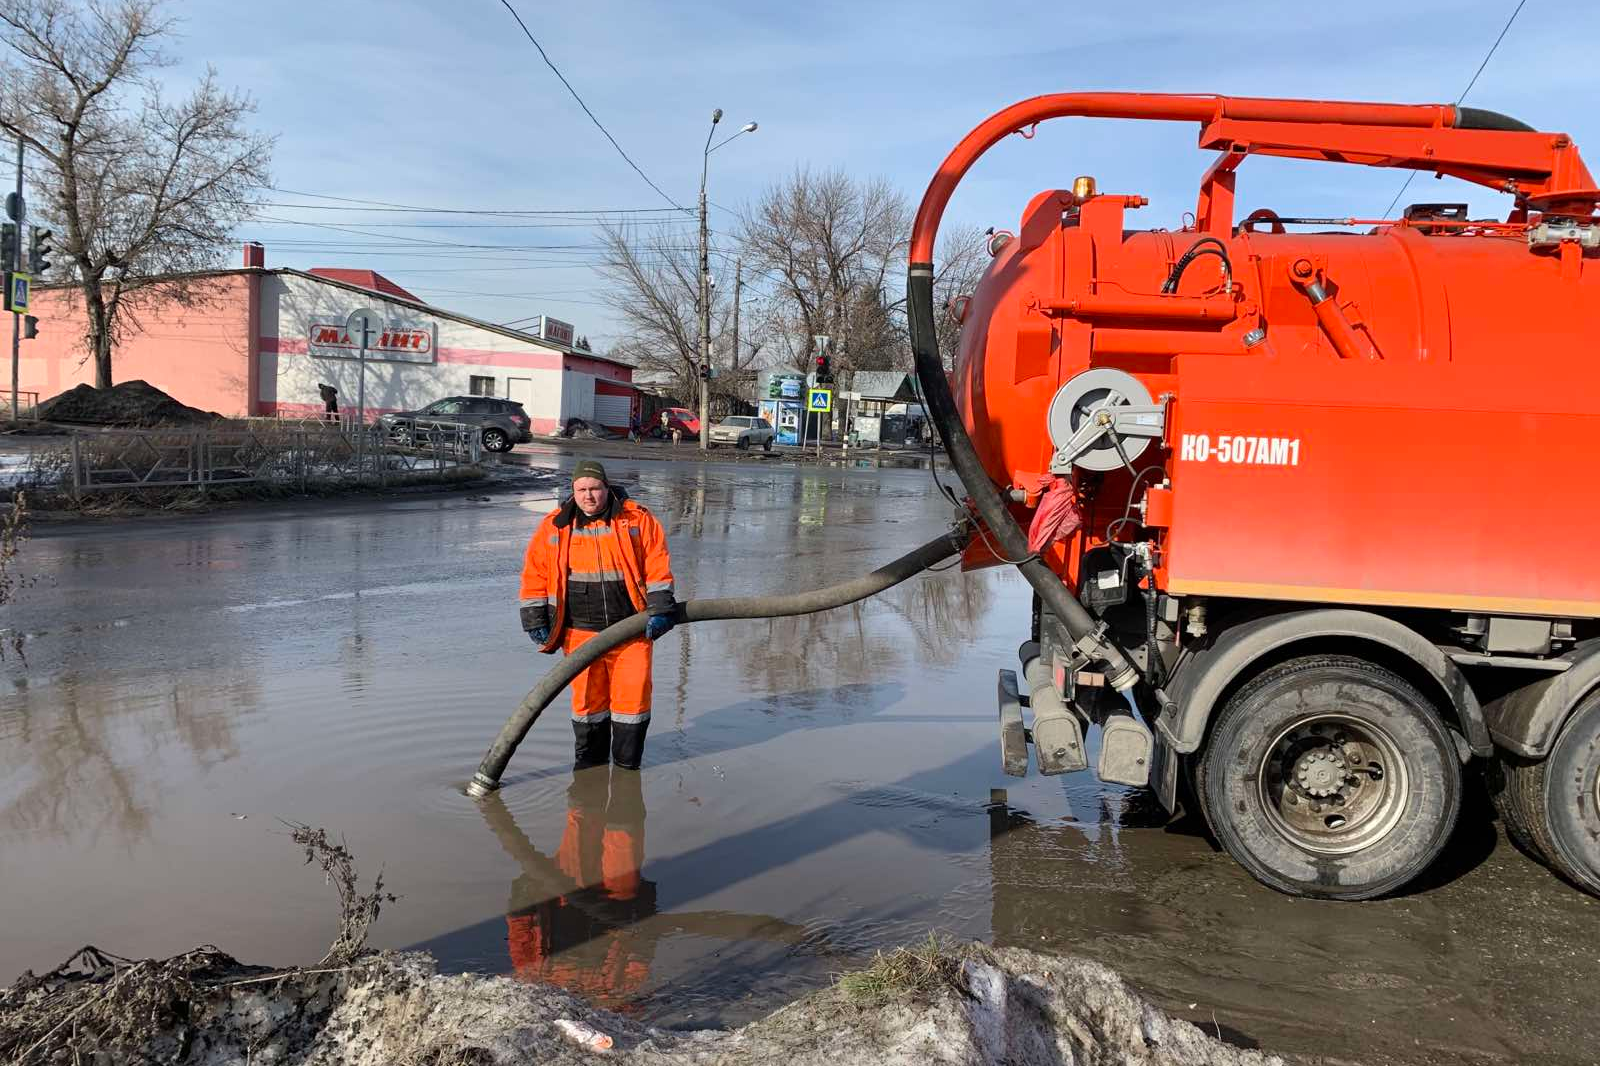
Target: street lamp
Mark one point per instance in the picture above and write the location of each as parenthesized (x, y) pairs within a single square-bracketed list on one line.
[(705, 277)]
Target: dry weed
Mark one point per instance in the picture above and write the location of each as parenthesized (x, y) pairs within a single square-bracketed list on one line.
[(357, 910), (906, 973)]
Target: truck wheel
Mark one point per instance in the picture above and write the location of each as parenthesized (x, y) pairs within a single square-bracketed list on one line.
[(1332, 778), (1551, 806)]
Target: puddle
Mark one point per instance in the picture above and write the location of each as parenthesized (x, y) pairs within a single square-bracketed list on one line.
[(815, 789)]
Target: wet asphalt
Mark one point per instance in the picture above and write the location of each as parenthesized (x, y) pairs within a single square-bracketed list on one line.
[(815, 789)]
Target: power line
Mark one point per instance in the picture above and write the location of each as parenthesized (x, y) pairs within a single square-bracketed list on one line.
[(1488, 56), (391, 206), (585, 107)]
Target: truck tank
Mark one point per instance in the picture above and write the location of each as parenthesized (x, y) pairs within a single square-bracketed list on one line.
[(1402, 443)]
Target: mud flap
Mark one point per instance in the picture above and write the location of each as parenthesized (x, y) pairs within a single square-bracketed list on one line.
[(1013, 734), (1164, 775)]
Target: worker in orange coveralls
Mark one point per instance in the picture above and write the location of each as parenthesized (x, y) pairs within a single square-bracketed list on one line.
[(576, 922), (597, 559)]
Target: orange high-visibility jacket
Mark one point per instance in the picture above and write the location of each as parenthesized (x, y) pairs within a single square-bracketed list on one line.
[(641, 545)]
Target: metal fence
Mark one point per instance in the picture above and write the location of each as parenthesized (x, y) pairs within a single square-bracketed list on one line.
[(267, 451), (23, 400)]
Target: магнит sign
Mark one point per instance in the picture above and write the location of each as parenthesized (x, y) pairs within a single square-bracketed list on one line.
[(400, 342)]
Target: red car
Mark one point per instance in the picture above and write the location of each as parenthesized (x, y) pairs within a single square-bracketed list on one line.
[(681, 419)]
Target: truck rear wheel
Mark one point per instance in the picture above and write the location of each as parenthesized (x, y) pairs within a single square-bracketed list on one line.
[(1330, 777), (1553, 807)]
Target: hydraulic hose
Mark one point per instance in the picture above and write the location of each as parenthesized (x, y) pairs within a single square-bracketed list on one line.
[(493, 766)]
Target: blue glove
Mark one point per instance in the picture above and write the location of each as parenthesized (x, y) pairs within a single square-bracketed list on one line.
[(659, 626), (540, 636)]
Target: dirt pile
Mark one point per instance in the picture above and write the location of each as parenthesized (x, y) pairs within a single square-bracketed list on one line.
[(975, 1007), (132, 403)]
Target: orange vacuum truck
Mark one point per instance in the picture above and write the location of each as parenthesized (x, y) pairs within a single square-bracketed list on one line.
[(1308, 513)]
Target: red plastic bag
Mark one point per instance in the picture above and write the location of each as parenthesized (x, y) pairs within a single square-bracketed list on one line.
[(1057, 518)]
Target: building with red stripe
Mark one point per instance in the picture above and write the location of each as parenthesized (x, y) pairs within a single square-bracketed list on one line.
[(255, 341)]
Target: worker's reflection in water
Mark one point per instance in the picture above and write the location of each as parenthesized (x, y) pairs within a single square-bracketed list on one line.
[(574, 922), (583, 920)]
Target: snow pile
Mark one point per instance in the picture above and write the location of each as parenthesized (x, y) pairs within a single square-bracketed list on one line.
[(977, 1007)]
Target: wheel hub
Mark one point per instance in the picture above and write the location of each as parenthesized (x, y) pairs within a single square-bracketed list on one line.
[(1333, 784), (1321, 773)]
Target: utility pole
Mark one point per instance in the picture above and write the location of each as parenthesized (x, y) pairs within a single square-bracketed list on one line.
[(16, 319), (738, 292)]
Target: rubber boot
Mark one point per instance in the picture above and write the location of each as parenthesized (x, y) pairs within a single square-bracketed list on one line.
[(591, 742), (627, 744)]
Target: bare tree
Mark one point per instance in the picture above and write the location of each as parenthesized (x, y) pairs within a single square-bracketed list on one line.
[(959, 264), (654, 288), (835, 246), (139, 187), (830, 243)]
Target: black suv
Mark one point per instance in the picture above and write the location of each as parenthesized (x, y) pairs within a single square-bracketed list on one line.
[(504, 422)]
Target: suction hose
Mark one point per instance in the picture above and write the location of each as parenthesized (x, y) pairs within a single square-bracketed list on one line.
[(1012, 542), (493, 766)]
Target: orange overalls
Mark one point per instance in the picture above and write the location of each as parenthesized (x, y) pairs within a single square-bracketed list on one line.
[(615, 564)]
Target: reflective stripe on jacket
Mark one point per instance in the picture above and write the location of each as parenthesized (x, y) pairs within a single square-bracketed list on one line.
[(640, 544)]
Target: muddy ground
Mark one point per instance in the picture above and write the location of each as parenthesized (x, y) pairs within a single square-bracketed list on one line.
[(815, 790)]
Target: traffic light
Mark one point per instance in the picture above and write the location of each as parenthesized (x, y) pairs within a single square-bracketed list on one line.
[(30, 327), (824, 369), (8, 246), (39, 250), (705, 371)]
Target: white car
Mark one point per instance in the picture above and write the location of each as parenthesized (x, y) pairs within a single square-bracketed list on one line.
[(744, 432)]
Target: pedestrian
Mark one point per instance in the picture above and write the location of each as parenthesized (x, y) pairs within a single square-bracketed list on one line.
[(330, 402), (633, 426), (595, 560)]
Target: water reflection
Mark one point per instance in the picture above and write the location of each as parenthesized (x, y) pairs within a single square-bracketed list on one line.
[(927, 621), (87, 755), (574, 921), (587, 919)]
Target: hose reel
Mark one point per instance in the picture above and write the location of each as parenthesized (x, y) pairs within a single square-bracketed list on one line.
[(1102, 419)]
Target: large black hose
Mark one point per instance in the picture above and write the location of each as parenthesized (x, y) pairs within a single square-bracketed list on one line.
[(493, 766), (1057, 598), (1476, 118)]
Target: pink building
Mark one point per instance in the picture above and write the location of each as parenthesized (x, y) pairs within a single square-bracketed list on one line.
[(255, 341)]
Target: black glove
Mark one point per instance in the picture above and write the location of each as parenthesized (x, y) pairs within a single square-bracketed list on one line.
[(659, 626), (540, 636)]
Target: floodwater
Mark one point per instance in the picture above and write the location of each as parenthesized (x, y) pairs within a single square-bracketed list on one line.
[(815, 789)]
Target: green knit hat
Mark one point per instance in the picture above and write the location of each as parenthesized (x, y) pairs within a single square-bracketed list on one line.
[(589, 468)]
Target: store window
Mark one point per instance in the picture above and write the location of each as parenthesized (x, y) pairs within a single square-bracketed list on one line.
[(480, 386)]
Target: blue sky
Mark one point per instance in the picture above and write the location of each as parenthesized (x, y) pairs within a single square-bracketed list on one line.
[(448, 105)]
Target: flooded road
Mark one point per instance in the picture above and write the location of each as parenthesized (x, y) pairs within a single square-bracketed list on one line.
[(814, 788)]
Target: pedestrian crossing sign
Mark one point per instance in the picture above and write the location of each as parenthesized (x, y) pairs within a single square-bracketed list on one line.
[(819, 400)]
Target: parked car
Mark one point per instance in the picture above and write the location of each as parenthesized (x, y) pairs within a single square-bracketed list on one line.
[(681, 419), (744, 432), (504, 423)]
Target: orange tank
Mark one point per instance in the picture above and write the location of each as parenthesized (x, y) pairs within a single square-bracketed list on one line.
[(1387, 414)]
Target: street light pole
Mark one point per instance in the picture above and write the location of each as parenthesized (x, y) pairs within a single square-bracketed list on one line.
[(705, 293), (705, 278)]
